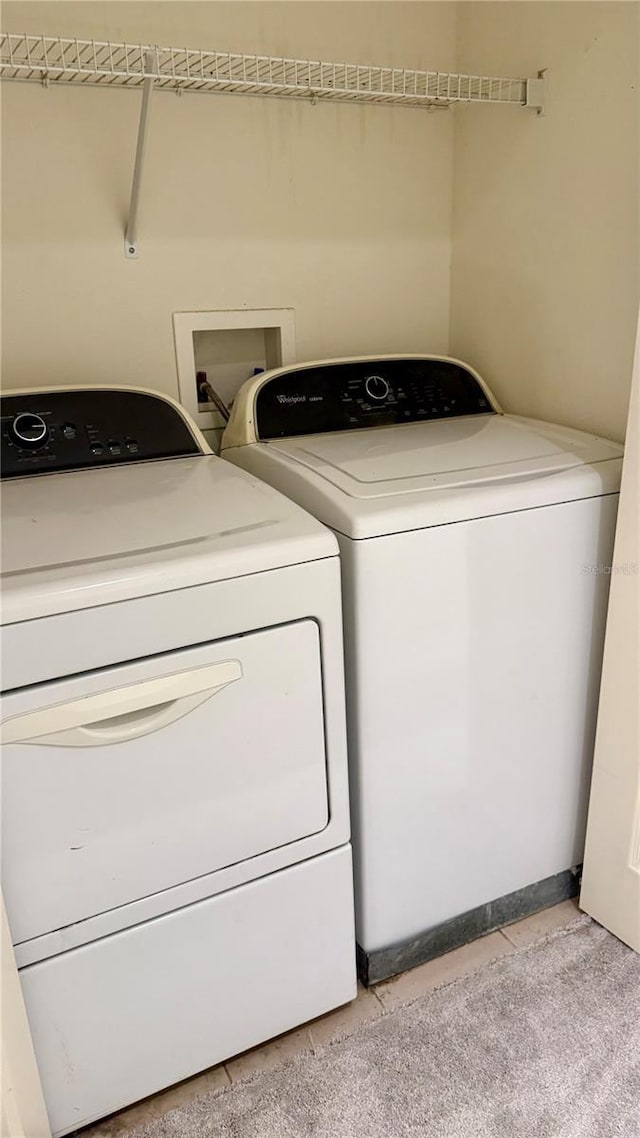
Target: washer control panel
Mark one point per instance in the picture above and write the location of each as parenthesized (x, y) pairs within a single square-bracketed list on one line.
[(83, 427), (345, 396)]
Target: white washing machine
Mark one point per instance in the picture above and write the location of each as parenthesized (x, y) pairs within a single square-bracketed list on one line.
[(176, 863), (475, 553)]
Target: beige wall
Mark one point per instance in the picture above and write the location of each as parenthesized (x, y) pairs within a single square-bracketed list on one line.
[(341, 212), (546, 261), (611, 878), (351, 215), (22, 1109)]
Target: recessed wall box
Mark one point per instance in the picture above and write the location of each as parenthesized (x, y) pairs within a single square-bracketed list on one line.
[(229, 345)]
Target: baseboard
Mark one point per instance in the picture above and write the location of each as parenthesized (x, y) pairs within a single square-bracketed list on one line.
[(383, 963)]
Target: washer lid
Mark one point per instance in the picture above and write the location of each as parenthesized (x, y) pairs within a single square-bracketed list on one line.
[(459, 452), (87, 538), (389, 479)]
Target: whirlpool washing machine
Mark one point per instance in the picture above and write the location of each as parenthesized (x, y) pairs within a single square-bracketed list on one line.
[(176, 860), (475, 552)]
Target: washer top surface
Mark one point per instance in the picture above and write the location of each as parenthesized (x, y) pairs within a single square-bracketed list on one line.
[(436, 456), (95, 536), (405, 444)]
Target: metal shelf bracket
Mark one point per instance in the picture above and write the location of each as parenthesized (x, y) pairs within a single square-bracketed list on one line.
[(131, 250), (536, 92)]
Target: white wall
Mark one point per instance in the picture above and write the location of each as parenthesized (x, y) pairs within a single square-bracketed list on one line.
[(341, 212), (546, 254)]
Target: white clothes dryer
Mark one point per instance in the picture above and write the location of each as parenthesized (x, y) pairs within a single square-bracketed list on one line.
[(475, 552), (176, 862)]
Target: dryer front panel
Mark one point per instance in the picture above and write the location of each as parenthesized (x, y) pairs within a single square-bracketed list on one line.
[(128, 781)]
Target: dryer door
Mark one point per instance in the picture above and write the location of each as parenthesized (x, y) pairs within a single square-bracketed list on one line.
[(131, 780)]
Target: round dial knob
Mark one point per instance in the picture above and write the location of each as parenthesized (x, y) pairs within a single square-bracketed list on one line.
[(376, 387), (29, 431)]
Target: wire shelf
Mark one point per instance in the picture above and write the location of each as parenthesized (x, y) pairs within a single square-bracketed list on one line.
[(53, 59)]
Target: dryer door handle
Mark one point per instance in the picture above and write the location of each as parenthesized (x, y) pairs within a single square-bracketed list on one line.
[(121, 714)]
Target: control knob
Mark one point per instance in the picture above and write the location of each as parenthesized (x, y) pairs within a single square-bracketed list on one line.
[(29, 431), (376, 387)]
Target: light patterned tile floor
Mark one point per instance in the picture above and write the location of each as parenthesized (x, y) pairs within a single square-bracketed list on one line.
[(408, 986), (368, 1005), (527, 931), (344, 1021), (270, 1054)]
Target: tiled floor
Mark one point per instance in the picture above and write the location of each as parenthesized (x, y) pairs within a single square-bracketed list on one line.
[(338, 1024)]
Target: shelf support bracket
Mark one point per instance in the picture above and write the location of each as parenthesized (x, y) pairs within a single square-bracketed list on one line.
[(536, 92), (131, 233)]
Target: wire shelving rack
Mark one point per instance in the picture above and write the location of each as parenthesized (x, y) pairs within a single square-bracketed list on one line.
[(55, 59)]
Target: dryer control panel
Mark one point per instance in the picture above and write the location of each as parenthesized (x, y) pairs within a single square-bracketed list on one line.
[(84, 427), (346, 395)]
